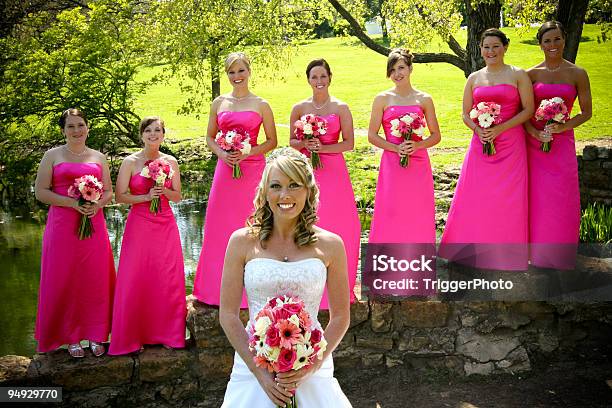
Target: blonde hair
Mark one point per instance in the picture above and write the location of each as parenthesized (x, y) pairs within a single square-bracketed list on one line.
[(297, 167), (237, 56)]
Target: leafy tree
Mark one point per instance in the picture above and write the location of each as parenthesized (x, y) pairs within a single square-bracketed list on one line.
[(195, 36), (85, 58), (415, 22)]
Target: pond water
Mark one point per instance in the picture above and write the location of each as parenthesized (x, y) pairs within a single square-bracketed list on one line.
[(20, 244)]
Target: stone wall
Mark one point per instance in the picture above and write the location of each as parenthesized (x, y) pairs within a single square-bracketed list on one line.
[(595, 172), (457, 338)]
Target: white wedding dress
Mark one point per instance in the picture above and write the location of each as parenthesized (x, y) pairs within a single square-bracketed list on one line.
[(265, 278)]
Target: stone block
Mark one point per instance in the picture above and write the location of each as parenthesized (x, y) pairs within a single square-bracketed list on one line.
[(607, 165), (381, 318), (158, 364), (372, 360), (422, 314), (359, 313), (215, 363), (478, 368), (484, 348), (517, 361), (603, 152), (347, 358), (14, 369), (59, 369), (374, 342), (589, 153), (323, 317)]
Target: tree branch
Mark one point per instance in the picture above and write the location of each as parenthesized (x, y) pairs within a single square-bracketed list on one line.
[(455, 60)]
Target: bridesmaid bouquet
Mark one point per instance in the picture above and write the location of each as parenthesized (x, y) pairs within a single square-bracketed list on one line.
[(158, 170), (308, 127), (86, 189), (407, 125), (234, 141), (551, 110), (487, 114), (282, 339)]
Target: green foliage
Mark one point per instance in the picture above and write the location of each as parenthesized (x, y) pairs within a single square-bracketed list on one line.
[(194, 37), (85, 58), (596, 224)]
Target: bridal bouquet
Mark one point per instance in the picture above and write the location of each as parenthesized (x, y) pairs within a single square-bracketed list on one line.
[(235, 140), (158, 170), (551, 110), (486, 115), (308, 127), (407, 125), (282, 339), (86, 189)]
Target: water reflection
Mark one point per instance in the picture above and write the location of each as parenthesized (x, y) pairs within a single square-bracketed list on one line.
[(20, 244)]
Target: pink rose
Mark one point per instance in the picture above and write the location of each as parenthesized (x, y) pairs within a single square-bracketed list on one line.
[(273, 336), (315, 336), (286, 359)]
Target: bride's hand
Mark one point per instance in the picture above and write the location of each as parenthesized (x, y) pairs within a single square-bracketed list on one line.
[(278, 394), (292, 379)]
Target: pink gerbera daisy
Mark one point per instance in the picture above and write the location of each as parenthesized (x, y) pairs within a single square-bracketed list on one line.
[(289, 333)]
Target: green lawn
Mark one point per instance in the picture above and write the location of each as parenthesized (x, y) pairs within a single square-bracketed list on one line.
[(359, 74)]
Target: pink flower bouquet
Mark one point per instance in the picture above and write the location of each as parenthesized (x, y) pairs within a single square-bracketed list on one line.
[(86, 189), (158, 170), (487, 114), (405, 126), (551, 110), (308, 127), (235, 140), (282, 337)]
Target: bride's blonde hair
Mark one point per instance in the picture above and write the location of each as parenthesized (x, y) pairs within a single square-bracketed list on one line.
[(297, 167)]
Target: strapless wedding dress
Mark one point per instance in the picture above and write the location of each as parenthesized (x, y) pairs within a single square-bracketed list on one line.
[(265, 278)]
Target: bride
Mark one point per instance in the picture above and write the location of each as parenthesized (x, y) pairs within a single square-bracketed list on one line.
[(283, 252)]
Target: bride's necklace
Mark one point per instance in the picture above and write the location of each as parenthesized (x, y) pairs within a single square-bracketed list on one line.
[(75, 153), (322, 106)]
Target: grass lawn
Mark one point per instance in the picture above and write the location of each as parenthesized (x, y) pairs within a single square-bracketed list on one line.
[(359, 74)]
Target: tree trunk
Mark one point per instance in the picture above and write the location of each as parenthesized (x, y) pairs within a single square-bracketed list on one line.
[(215, 84), (383, 27), (479, 19), (571, 14)]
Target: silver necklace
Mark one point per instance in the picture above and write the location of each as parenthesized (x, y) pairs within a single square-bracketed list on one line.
[(552, 69), (322, 106), (239, 98), (76, 154), (285, 259), (495, 74)]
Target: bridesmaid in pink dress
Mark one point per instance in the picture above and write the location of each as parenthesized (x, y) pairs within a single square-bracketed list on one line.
[(230, 201), (149, 303), (554, 195), (337, 210), (77, 277), (404, 210), (487, 221)]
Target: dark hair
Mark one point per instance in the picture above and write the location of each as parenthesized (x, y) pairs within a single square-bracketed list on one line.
[(397, 54), (71, 112), (494, 32), (147, 120), (550, 25), (320, 62)]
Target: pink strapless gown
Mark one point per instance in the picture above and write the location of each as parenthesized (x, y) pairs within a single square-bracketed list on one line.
[(337, 210), (230, 203), (77, 277), (404, 210), (487, 221), (150, 296), (554, 194)]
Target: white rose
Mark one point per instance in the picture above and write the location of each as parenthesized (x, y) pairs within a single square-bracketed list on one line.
[(557, 99), (246, 149), (307, 129), (295, 320), (473, 114), (420, 131), (407, 119), (261, 325), (396, 133)]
